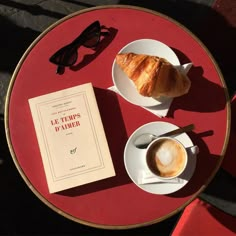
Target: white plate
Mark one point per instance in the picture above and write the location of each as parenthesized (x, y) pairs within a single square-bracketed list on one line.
[(134, 159), (125, 86)]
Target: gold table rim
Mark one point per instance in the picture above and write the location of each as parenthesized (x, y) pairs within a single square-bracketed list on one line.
[(7, 130)]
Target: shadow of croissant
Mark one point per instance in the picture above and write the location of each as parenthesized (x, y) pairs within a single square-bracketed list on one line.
[(198, 99)]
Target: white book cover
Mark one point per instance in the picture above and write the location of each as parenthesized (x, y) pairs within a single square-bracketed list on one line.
[(71, 137)]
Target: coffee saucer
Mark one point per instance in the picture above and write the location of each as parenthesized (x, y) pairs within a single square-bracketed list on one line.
[(134, 159)]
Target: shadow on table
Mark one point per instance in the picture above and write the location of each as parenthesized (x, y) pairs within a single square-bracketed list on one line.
[(221, 190), (198, 99), (115, 131), (206, 165), (104, 43), (21, 211), (216, 32), (116, 137)]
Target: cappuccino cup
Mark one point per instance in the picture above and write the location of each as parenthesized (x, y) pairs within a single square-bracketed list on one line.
[(166, 157)]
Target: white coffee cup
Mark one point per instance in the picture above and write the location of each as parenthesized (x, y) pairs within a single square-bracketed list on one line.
[(166, 157)]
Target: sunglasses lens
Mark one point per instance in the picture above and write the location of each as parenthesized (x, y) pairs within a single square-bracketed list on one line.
[(91, 35), (70, 57), (65, 57), (92, 40)]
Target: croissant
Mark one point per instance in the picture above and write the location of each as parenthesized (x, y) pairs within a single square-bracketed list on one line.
[(153, 76)]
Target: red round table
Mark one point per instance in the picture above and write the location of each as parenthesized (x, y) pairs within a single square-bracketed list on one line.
[(116, 202)]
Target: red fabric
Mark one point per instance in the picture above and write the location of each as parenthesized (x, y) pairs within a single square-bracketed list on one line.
[(117, 201), (200, 218)]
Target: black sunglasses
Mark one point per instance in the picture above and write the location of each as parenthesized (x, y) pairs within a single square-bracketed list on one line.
[(67, 55)]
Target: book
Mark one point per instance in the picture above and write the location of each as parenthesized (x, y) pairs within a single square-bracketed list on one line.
[(71, 137)]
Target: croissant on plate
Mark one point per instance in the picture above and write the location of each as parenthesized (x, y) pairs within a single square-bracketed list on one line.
[(153, 76)]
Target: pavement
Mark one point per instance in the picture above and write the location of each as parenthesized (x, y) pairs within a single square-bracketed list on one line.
[(21, 21)]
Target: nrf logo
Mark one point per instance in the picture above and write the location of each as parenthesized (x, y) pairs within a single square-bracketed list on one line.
[(73, 151)]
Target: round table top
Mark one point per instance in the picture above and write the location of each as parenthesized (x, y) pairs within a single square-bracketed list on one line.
[(117, 202)]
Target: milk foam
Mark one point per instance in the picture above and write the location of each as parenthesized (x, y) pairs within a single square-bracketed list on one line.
[(168, 158), (165, 156)]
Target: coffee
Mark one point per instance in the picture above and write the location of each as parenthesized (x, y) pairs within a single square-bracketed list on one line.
[(166, 157)]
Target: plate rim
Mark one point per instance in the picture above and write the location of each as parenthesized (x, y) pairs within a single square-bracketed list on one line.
[(152, 101), (193, 163)]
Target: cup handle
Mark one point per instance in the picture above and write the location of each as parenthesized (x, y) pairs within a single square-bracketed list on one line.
[(194, 150)]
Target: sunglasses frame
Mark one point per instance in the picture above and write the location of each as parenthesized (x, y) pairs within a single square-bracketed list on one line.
[(67, 55)]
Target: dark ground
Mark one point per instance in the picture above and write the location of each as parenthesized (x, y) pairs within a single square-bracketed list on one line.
[(21, 21)]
